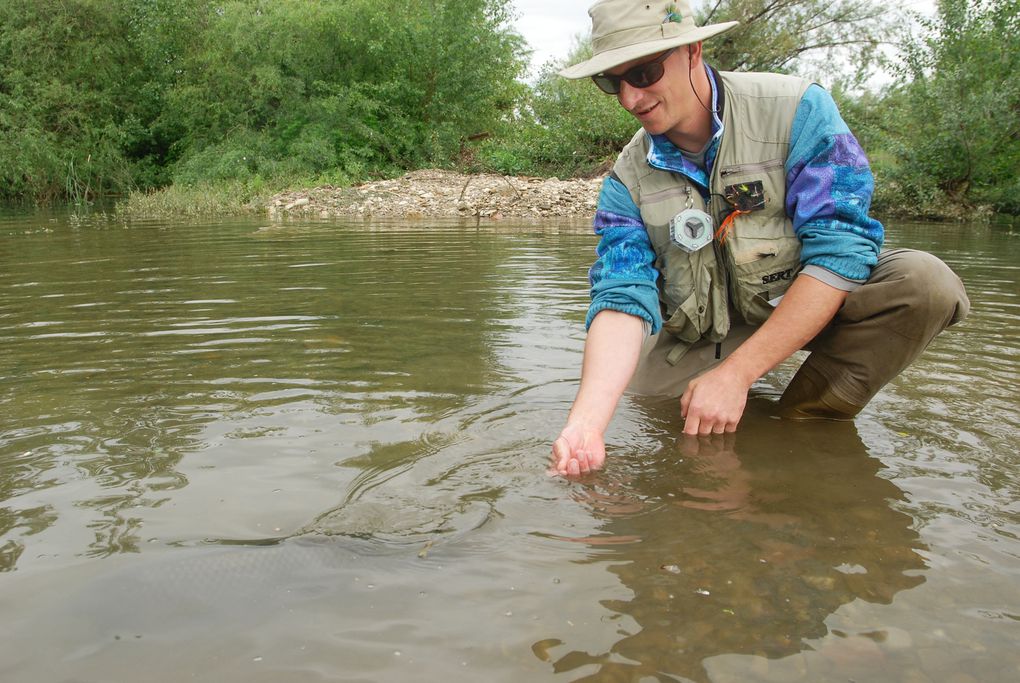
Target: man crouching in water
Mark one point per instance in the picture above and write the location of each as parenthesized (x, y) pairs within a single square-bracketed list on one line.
[(734, 231)]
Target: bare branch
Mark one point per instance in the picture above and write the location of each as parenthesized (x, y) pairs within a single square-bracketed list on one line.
[(832, 44), (711, 13)]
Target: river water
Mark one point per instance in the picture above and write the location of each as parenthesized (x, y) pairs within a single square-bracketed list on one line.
[(311, 451)]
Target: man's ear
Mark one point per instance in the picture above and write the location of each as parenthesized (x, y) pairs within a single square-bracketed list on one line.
[(694, 52)]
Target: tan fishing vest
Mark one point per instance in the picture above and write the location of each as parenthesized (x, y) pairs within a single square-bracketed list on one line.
[(761, 254)]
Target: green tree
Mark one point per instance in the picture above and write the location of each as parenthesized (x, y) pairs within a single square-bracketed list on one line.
[(100, 96), (71, 98), (287, 86), (564, 128), (955, 139)]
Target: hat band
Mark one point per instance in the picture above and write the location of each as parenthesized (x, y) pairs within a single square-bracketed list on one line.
[(641, 34)]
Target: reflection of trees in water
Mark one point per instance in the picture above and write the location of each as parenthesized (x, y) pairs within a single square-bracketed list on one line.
[(743, 544)]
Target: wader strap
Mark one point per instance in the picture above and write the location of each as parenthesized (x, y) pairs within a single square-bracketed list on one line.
[(677, 353)]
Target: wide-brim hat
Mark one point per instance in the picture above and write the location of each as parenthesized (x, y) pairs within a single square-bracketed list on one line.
[(623, 30)]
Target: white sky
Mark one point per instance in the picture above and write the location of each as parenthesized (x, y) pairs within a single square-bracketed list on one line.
[(549, 26)]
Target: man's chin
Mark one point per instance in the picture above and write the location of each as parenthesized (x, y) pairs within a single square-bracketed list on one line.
[(652, 120), (653, 128)]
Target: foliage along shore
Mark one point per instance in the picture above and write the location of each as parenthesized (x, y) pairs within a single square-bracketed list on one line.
[(427, 193), (214, 106)]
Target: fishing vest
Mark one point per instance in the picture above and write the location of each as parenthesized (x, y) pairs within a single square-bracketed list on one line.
[(760, 255)]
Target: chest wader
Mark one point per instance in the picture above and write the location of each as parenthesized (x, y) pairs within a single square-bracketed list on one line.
[(700, 292)]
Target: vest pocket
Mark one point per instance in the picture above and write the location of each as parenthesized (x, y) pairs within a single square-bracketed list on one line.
[(687, 323), (762, 251), (763, 266)]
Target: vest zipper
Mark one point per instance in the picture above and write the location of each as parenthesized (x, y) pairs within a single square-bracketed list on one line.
[(746, 168)]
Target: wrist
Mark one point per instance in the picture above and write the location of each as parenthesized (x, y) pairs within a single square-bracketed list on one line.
[(593, 408), (742, 371), (588, 420)]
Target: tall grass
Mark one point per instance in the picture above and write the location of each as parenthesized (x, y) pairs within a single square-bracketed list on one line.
[(204, 199)]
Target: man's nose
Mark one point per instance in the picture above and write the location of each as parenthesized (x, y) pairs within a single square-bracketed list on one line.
[(628, 95)]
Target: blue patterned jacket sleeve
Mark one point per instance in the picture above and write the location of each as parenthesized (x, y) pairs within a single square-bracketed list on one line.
[(828, 191), (623, 277)]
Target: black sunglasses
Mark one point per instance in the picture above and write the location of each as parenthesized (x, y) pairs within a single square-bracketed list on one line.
[(640, 76)]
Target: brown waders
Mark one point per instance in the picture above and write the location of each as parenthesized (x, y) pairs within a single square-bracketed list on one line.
[(881, 328)]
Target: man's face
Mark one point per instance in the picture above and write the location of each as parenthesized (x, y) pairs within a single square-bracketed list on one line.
[(668, 105)]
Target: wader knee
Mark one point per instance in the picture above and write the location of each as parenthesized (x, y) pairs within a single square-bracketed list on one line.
[(882, 327), (930, 293)]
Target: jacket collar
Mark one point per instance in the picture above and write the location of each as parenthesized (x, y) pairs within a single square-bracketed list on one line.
[(665, 156)]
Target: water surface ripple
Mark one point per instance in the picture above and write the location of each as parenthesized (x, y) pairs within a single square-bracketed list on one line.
[(314, 451)]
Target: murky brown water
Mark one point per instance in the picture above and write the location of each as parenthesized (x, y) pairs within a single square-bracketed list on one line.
[(316, 452)]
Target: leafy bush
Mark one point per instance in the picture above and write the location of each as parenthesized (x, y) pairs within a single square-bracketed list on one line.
[(70, 98), (102, 96), (963, 103), (952, 126), (564, 128), (352, 85)]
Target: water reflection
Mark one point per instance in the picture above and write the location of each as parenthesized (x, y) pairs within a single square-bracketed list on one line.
[(215, 438), (740, 544)]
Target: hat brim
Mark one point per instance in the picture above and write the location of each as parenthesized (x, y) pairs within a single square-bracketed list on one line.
[(621, 55)]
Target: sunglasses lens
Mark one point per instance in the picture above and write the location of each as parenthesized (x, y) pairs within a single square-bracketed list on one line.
[(640, 76), (607, 84), (644, 75)]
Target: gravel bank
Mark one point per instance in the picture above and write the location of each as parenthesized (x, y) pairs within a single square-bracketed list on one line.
[(437, 193)]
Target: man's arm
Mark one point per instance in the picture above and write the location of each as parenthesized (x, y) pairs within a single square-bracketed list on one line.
[(624, 306), (611, 354), (714, 401)]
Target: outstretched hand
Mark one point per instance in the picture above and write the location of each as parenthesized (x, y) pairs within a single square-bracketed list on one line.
[(578, 450)]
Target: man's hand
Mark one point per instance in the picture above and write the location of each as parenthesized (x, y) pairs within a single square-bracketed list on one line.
[(714, 402), (578, 450)]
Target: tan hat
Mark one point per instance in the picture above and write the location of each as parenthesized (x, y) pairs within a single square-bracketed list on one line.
[(622, 30)]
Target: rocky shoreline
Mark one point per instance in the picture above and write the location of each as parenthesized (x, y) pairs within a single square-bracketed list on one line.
[(434, 193)]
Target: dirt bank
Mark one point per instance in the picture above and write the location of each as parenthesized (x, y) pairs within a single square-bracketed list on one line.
[(436, 193)]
